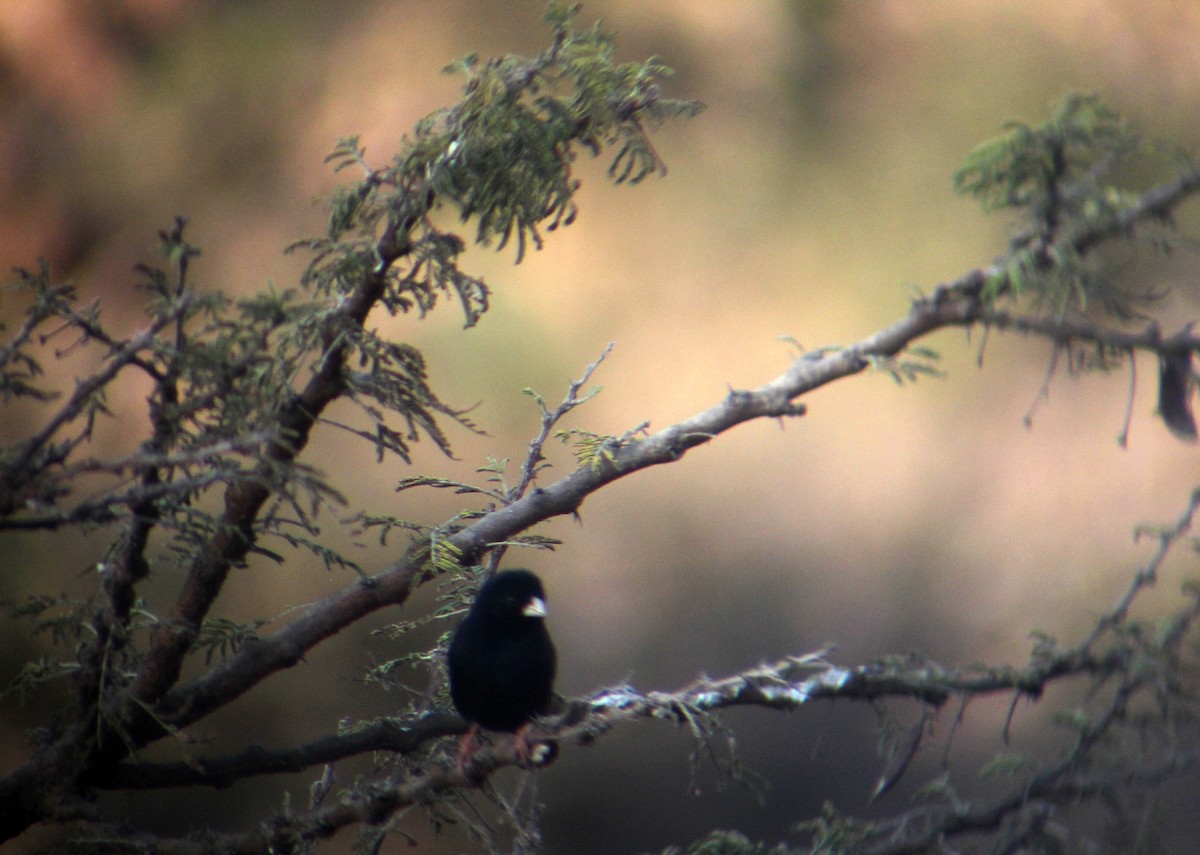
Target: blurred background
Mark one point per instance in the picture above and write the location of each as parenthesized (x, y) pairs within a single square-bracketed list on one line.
[(811, 199)]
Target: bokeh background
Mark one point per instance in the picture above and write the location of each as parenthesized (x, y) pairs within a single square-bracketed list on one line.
[(811, 199)]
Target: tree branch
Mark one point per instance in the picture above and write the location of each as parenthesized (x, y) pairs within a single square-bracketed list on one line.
[(153, 703), (957, 303), (788, 683)]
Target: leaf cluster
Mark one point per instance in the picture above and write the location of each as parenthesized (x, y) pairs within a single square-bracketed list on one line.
[(1075, 173), (218, 370), (502, 155), (237, 387)]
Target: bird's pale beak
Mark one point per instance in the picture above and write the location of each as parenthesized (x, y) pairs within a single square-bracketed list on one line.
[(536, 607)]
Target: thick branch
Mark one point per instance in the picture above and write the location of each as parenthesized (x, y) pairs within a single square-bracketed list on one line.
[(245, 498), (785, 684), (956, 303), (1068, 330), (30, 789), (384, 735)]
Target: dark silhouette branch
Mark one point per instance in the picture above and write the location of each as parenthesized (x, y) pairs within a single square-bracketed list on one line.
[(785, 684), (957, 303), (395, 735), (384, 250)]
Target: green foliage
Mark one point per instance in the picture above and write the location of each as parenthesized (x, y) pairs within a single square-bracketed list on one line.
[(222, 637), (60, 616), (395, 379), (531, 541), (504, 152), (65, 621), (443, 556), (224, 372), (834, 833), (330, 558), (1075, 173), (590, 449), (34, 673), (217, 375), (385, 524), (19, 366), (939, 789), (1027, 166), (502, 155), (459, 487), (726, 843), (237, 386), (906, 367)]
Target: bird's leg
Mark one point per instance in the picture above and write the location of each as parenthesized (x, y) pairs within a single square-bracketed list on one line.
[(521, 744), (467, 747)]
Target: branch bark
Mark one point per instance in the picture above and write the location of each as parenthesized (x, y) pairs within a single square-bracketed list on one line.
[(36, 790), (957, 303)]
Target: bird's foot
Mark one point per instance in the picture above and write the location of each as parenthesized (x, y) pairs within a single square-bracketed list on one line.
[(530, 754), (467, 747), (521, 745)]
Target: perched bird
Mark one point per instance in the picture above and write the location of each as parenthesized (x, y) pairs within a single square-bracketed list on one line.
[(502, 661)]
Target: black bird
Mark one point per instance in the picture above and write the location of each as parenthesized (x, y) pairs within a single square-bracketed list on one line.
[(502, 661)]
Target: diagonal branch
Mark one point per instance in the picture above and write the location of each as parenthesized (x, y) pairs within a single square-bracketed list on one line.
[(956, 303)]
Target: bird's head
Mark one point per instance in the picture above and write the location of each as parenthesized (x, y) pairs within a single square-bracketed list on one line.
[(511, 597)]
